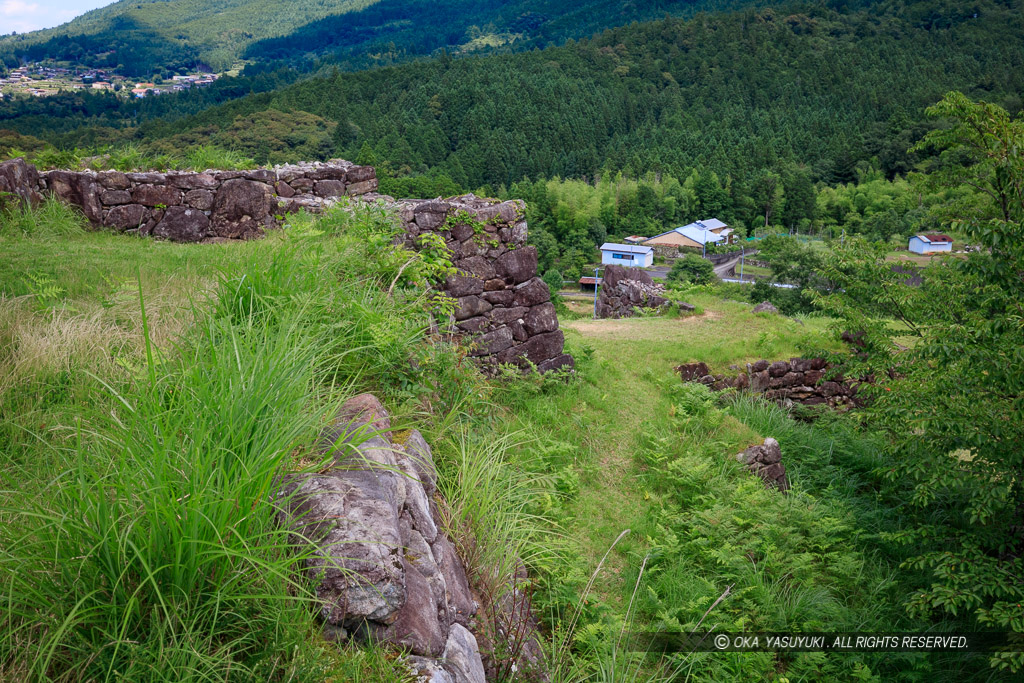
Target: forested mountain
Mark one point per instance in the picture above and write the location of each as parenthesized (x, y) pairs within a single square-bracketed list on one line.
[(736, 93), (141, 37), (738, 115), (144, 36)]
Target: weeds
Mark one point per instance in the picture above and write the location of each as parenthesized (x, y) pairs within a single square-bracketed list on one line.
[(50, 220)]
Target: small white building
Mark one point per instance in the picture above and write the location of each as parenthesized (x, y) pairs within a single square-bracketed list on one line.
[(629, 255), (930, 244)]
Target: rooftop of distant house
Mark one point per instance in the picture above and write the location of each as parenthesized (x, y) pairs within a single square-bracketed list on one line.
[(626, 248)]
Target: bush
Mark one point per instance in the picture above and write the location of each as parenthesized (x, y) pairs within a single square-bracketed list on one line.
[(691, 269)]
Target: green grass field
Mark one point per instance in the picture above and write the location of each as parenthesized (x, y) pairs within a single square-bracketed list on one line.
[(117, 402)]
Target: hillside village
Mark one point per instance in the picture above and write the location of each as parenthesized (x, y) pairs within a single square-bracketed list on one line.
[(42, 80)]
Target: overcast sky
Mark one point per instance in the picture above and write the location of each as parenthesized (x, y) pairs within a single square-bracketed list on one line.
[(29, 15)]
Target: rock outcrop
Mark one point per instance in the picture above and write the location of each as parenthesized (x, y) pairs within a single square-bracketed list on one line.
[(766, 307), (381, 564), (807, 381), (624, 290), (765, 461)]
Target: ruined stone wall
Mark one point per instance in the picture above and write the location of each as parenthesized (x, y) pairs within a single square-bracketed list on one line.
[(381, 564), (807, 381), (383, 567), (193, 207), (623, 290), (500, 298), (501, 301)]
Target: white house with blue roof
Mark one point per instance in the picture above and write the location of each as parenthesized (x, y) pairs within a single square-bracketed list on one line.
[(629, 255)]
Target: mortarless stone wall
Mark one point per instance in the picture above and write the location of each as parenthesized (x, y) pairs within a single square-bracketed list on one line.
[(500, 298), (502, 302), (808, 381)]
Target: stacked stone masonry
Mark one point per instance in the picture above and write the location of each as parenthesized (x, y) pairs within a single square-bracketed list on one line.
[(624, 290), (193, 207), (807, 381), (765, 460), (500, 299), (502, 303)]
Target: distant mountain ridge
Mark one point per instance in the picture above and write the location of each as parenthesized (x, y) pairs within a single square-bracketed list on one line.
[(140, 37), (214, 32)]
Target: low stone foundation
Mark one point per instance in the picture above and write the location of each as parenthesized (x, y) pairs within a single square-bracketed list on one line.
[(807, 381)]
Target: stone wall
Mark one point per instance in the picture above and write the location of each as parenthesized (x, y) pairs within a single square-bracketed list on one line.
[(193, 207), (807, 381), (623, 290), (501, 301), (765, 460)]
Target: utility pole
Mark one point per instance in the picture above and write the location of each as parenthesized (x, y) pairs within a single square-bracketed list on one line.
[(742, 252)]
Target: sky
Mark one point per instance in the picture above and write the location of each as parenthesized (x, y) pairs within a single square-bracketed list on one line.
[(30, 15)]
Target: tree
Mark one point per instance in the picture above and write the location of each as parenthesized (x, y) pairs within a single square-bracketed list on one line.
[(801, 199), (691, 269), (553, 279), (768, 194), (952, 402)]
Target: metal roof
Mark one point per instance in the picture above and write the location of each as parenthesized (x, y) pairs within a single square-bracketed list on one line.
[(699, 234), (627, 248), (934, 238), (712, 224)]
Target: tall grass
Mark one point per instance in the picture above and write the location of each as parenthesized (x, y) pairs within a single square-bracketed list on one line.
[(132, 157), (206, 157), (152, 552), (51, 219)]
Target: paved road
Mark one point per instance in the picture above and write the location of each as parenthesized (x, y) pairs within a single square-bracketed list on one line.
[(723, 269)]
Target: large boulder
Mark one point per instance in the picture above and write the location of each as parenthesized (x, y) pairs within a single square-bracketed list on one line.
[(518, 265), (19, 182), (156, 195), (182, 224), (79, 189), (127, 217)]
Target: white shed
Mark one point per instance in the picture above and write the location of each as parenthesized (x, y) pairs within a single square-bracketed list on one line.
[(629, 255), (930, 244)]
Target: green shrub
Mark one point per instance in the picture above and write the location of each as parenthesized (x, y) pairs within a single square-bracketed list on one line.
[(691, 269)]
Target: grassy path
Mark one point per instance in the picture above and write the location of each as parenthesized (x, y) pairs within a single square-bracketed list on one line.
[(633, 360)]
